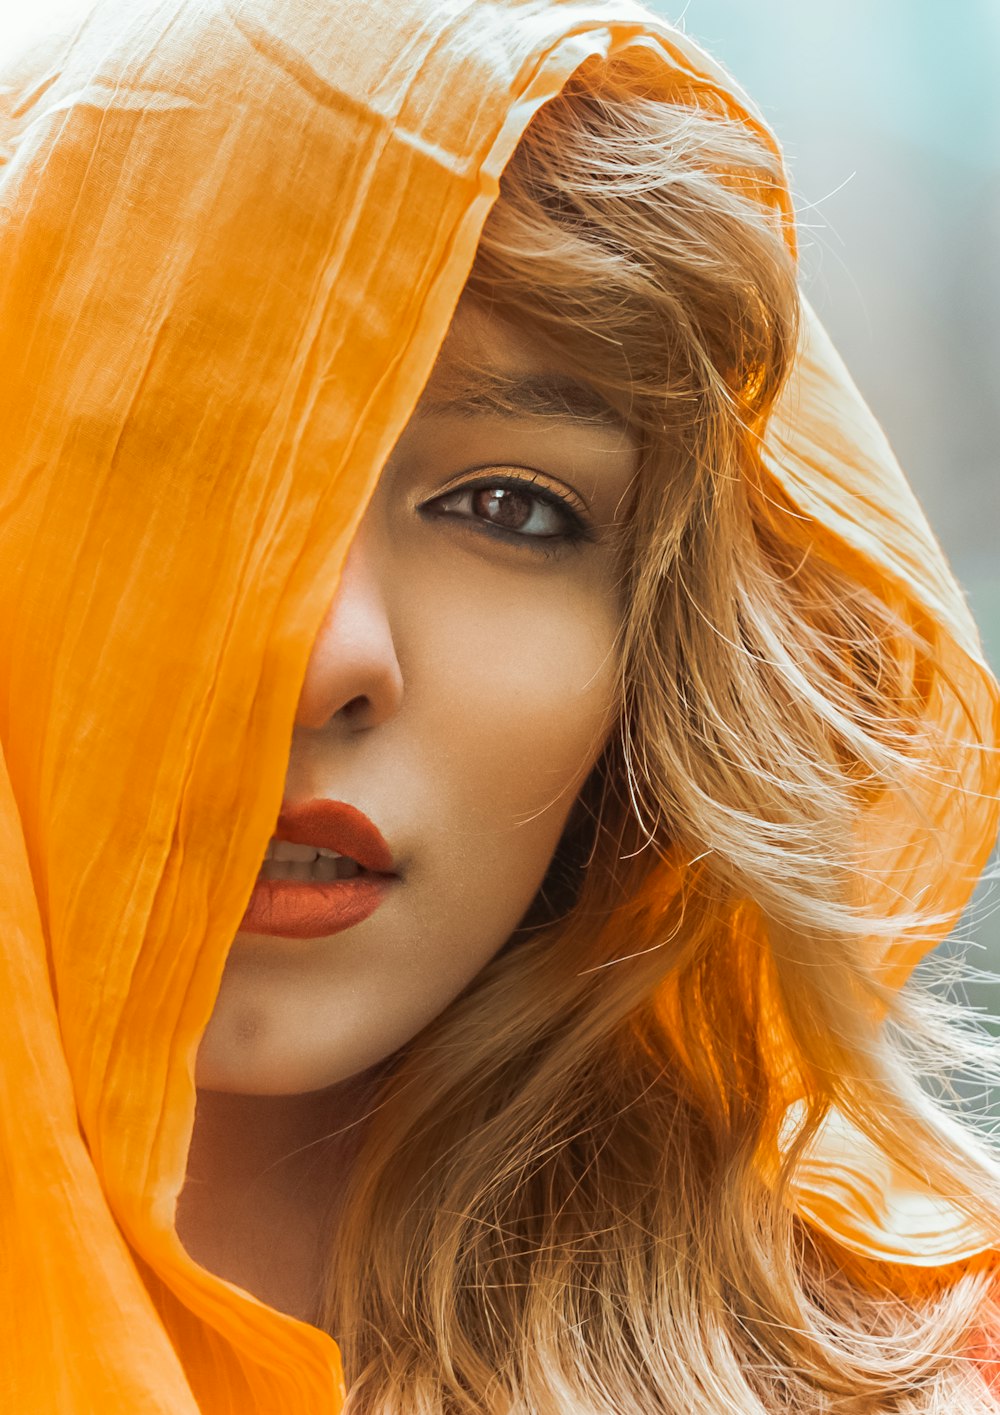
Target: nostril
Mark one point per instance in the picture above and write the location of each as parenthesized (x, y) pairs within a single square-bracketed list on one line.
[(356, 707)]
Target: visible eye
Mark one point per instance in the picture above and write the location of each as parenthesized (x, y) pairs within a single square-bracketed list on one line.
[(516, 509)]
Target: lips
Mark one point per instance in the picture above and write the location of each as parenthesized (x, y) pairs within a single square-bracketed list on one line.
[(338, 827), (314, 909), (290, 908)]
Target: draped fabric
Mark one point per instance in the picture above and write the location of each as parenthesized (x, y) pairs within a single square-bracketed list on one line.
[(234, 233)]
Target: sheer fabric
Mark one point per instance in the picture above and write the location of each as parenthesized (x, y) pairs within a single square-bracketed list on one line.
[(234, 233)]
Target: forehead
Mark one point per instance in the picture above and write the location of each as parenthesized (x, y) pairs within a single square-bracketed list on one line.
[(489, 366)]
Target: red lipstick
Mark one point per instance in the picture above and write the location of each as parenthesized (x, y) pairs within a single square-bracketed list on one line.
[(294, 908)]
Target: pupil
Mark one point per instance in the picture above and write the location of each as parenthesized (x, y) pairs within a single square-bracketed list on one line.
[(503, 507)]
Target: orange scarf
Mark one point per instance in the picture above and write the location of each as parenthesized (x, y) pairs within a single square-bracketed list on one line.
[(234, 235)]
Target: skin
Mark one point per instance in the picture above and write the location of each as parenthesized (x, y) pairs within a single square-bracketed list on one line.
[(459, 691)]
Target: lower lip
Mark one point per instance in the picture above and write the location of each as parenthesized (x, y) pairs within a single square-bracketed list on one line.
[(297, 909)]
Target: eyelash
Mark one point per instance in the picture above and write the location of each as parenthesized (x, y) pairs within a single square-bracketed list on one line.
[(578, 531)]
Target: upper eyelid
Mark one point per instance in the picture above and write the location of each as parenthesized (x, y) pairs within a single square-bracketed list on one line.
[(576, 521), (524, 476), (578, 526)]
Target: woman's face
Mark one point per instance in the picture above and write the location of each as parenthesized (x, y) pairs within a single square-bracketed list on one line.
[(460, 689)]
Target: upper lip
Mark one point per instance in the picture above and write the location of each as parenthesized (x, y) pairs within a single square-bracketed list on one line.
[(339, 827)]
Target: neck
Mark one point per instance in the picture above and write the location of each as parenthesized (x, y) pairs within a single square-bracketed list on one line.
[(259, 1199)]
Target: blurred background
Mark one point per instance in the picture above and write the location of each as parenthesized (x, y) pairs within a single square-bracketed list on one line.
[(889, 115)]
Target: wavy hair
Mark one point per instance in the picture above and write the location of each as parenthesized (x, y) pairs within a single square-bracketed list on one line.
[(559, 1204)]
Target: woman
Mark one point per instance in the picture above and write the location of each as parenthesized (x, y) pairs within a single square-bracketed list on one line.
[(420, 455)]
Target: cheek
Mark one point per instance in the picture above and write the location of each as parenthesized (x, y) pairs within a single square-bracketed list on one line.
[(514, 680), (510, 693)]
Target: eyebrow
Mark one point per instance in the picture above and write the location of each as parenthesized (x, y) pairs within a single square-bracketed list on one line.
[(541, 395)]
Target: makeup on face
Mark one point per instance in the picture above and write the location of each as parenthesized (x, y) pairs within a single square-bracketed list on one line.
[(460, 689), (327, 867)]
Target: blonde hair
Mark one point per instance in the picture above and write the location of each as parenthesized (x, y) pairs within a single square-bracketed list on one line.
[(558, 1202)]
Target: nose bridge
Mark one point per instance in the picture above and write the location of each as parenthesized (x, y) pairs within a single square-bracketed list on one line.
[(353, 669)]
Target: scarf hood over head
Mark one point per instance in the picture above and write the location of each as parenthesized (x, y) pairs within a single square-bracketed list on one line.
[(234, 233)]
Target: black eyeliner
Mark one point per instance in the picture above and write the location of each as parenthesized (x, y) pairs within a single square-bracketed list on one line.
[(578, 532)]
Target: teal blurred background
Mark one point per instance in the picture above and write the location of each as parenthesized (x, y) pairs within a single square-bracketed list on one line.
[(889, 114), (890, 119)]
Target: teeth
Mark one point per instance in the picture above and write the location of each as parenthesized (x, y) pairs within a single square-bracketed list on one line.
[(285, 850), (328, 867)]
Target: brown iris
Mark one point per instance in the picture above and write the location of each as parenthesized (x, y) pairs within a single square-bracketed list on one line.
[(503, 506)]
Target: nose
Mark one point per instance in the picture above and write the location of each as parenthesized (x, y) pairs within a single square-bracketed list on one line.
[(353, 675)]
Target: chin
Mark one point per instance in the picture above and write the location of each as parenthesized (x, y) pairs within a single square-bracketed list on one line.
[(242, 1055)]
